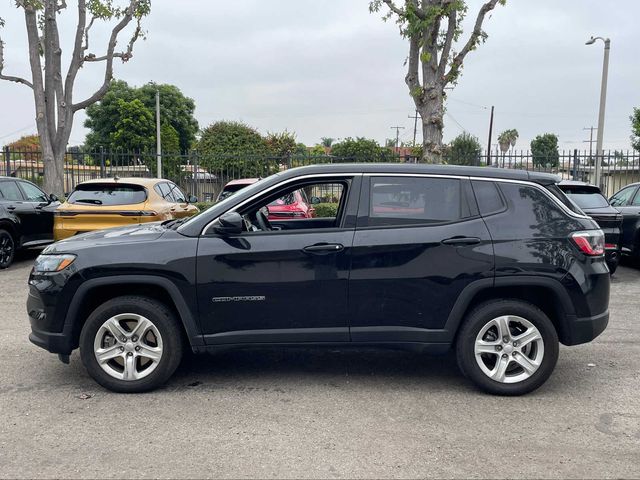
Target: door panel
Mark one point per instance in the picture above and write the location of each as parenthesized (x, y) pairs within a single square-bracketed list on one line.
[(42, 228), (630, 225), (418, 244), (264, 287), (14, 203), (404, 282)]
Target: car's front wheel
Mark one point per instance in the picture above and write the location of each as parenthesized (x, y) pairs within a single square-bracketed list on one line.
[(131, 344), (7, 248), (507, 347)]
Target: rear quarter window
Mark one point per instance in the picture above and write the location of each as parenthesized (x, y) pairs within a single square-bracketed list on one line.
[(488, 197), (108, 194)]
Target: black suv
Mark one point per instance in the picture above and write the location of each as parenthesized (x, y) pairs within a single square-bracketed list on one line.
[(496, 263), (26, 217)]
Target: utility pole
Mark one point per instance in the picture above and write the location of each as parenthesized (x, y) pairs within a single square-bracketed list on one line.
[(603, 101), (397, 136), (489, 144), (158, 139), (415, 126), (590, 141)]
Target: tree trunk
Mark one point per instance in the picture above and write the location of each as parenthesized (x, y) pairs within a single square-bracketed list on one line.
[(431, 109)]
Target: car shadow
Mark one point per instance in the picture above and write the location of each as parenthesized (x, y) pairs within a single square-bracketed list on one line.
[(313, 364)]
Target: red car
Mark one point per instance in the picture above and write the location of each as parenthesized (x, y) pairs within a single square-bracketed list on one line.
[(293, 205)]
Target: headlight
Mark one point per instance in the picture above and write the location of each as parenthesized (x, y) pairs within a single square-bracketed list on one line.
[(53, 263)]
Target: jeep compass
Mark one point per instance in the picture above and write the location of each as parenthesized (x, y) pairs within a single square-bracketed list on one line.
[(497, 264)]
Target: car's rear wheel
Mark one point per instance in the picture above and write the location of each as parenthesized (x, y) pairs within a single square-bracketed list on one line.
[(7, 248), (131, 344), (507, 347)]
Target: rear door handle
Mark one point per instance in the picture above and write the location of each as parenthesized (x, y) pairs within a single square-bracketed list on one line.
[(461, 241), (324, 248), (11, 207)]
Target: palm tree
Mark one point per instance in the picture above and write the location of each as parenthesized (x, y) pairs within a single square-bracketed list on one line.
[(327, 141), (506, 140)]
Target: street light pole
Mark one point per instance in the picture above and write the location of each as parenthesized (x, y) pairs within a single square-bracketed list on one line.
[(603, 101), (158, 140)]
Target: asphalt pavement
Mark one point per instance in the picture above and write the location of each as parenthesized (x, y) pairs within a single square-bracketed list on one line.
[(320, 413)]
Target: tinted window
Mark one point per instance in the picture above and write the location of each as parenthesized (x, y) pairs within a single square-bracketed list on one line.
[(10, 191), (162, 189), (529, 208), (177, 194), (636, 200), (33, 193), (406, 200), (559, 194), (622, 197), (488, 197), (588, 200), (108, 194)]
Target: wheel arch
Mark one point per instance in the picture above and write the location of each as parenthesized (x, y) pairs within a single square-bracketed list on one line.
[(94, 292), (546, 293), (12, 228)]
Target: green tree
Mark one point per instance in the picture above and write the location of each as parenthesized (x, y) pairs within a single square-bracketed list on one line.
[(361, 149), (435, 58), (465, 149), (281, 145), (175, 110), (134, 129), (635, 128), (544, 150), (235, 149), (53, 89)]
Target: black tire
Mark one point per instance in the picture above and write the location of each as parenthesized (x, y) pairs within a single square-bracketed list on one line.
[(160, 316), (478, 318), (7, 248), (613, 266)]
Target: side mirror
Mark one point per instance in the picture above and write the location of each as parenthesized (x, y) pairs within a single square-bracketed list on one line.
[(192, 199), (230, 223), (53, 198), (315, 200)]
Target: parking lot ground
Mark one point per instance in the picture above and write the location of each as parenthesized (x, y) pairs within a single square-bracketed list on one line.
[(321, 413)]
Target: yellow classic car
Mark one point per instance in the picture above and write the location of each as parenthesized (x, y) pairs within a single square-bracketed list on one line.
[(116, 202)]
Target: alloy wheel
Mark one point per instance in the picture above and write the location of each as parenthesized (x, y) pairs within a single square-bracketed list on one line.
[(509, 349), (6, 249), (128, 346)]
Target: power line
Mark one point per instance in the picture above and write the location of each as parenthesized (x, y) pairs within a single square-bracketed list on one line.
[(31, 125)]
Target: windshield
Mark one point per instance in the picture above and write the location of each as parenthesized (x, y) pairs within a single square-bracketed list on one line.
[(107, 194), (588, 200)]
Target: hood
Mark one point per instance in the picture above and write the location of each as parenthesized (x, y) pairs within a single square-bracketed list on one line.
[(145, 232)]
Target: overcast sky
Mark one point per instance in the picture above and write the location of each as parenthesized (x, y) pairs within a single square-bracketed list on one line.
[(328, 68)]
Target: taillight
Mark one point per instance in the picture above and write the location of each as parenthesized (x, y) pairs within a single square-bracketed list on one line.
[(610, 245), (590, 242)]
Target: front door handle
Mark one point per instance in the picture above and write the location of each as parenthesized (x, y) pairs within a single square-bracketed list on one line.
[(461, 241), (324, 248), (11, 208)]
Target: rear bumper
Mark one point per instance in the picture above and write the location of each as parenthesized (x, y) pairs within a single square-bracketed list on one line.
[(583, 330)]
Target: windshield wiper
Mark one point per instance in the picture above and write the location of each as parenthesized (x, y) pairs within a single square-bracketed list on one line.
[(89, 200), (173, 223)]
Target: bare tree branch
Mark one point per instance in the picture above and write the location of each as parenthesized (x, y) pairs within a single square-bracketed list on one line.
[(10, 78), (392, 6), (474, 38), (108, 73)]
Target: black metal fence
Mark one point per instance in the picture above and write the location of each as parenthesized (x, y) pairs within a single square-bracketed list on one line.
[(205, 175)]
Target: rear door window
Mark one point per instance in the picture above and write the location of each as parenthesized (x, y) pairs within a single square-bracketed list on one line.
[(9, 191), (415, 201), (108, 194)]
